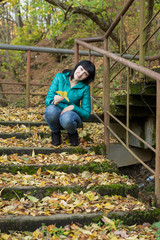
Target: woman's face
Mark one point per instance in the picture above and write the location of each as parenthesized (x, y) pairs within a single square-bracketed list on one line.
[(80, 73)]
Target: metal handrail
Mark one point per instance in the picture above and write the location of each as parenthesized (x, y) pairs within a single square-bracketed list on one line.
[(146, 72), (121, 60)]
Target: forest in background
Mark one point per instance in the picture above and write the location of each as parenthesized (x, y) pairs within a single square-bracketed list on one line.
[(56, 23)]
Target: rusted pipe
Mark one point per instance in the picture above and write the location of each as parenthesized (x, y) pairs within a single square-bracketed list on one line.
[(28, 79), (125, 62), (157, 175)]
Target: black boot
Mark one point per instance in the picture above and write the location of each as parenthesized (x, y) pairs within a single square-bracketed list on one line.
[(56, 138), (74, 139)]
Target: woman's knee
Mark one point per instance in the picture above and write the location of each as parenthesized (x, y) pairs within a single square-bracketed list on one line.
[(52, 112), (70, 120)]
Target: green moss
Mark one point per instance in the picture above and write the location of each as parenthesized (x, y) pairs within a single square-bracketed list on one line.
[(99, 149), (114, 189), (117, 189), (96, 219), (9, 194), (136, 88), (105, 166), (102, 167), (137, 217)]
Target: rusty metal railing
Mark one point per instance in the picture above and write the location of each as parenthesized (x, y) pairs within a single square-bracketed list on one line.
[(143, 71), (108, 114), (27, 93)]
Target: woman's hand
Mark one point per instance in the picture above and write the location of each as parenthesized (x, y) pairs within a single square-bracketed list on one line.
[(57, 99), (66, 109)]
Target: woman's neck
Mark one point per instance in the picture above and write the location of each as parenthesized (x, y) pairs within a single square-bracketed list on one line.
[(73, 82)]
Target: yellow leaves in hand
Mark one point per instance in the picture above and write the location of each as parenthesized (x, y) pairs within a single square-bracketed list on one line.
[(63, 94)]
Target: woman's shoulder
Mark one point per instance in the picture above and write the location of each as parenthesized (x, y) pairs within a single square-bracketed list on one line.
[(61, 75)]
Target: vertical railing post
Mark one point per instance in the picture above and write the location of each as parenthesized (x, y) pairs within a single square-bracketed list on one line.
[(127, 112), (91, 84), (76, 53), (106, 96), (157, 170), (61, 62), (28, 79), (142, 35)]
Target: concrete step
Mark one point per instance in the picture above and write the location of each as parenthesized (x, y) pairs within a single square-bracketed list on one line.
[(31, 223), (138, 100), (24, 135), (140, 111), (92, 166), (8, 193), (99, 149)]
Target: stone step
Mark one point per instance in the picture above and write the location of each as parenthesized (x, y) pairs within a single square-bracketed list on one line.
[(31, 223), (26, 123), (23, 135), (29, 213), (99, 149), (138, 100), (96, 167), (8, 193), (92, 118), (143, 88), (134, 111)]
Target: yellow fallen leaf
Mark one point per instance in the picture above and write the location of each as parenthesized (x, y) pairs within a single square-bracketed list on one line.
[(63, 94), (4, 236), (42, 184), (36, 234), (39, 171), (91, 196)]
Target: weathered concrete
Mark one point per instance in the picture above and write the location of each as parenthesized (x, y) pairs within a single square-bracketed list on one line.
[(122, 157), (41, 192), (31, 223), (36, 150), (143, 127)]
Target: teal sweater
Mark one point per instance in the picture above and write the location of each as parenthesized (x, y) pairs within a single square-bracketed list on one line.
[(78, 96)]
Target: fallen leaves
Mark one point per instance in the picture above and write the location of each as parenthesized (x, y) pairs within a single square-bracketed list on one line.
[(53, 158), (103, 231), (21, 114), (53, 178), (88, 202), (89, 134)]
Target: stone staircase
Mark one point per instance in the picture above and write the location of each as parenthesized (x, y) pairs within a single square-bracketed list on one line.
[(45, 185), (142, 119), (142, 111)]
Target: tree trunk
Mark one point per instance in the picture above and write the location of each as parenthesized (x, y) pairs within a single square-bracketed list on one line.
[(149, 16), (18, 16)]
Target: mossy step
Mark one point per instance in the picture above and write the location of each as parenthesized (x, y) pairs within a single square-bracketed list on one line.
[(99, 149), (135, 111), (26, 123), (143, 88), (7, 193), (137, 100), (24, 135), (92, 118), (96, 167), (31, 223)]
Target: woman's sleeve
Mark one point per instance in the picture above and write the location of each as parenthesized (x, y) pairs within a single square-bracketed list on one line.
[(54, 87), (85, 110), (52, 91)]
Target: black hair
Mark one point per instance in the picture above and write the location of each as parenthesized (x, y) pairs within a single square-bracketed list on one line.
[(88, 66)]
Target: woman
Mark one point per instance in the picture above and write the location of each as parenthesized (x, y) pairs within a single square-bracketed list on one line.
[(68, 101)]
